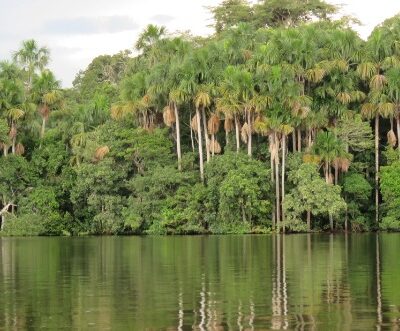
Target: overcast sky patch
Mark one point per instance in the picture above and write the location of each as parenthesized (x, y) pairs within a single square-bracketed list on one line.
[(162, 19), (76, 31), (90, 25)]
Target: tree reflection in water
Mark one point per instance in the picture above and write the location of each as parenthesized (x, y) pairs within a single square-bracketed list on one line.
[(281, 282)]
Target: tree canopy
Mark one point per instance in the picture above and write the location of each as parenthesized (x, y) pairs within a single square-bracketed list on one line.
[(283, 120)]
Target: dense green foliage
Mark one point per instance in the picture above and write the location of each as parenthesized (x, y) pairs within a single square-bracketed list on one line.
[(263, 126)]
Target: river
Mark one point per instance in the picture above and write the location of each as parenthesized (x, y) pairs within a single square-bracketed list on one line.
[(293, 282)]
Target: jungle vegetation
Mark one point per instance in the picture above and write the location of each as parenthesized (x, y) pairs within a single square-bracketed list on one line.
[(283, 120)]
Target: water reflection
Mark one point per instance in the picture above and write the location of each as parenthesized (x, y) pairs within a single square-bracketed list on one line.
[(295, 282), (279, 286)]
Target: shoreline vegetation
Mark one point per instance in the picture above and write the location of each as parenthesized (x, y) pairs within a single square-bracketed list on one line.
[(284, 120)]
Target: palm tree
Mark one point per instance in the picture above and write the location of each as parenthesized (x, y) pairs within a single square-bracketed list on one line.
[(10, 71), (286, 129), (151, 35), (393, 92), (177, 98), (14, 114), (164, 82), (329, 149), (229, 101), (249, 102), (11, 100), (31, 57), (377, 107), (47, 95), (4, 136), (202, 100), (136, 101), (378, 58)]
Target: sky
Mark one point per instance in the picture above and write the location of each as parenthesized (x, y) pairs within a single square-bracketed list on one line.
[(76, 31)]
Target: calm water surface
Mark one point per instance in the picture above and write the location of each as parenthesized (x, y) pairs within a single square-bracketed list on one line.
[(297, 282)]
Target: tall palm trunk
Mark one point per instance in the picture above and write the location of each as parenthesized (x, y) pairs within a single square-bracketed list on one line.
[(178, 137), (13, 145), (271, 141), (249, 142), (299, 140), (237, 133), (283, 178), (213, 145), (377, 168), (336, 174), (14, 139), (200, 144), (43, 127), (5, 149), (3, 218), (398, 130), (191, 132), (327, 179), (277, 190), (207, 140), (327, 172), (294, 141)]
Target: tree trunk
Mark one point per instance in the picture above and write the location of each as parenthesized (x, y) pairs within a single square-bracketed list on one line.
[(346, 220), (13, 146), (237, 134), (270, 140), (178, 137), (249, 147), (299, 140), (3, 218), (283, 178), (294, 140), (398, 131), (14, 139), (3, 211), (5, 150), (308, 220), (277, 193), (327, 173), (43, 127), (243, 214), (377, 169), (213, 144), (336, 174), (191, 133), (226, 138), (200, 143), (309, 138), (203, 114)]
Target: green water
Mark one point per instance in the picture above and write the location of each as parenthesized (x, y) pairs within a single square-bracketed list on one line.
[(297, 282)]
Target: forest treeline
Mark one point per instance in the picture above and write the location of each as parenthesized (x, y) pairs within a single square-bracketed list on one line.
[(283, 120)]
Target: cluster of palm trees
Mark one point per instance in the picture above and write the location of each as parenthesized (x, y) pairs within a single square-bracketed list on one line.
[(290, 85), (288, 88), (27, 88)]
